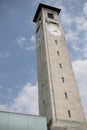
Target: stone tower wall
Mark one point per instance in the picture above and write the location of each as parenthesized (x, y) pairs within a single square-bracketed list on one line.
[(59, 98)]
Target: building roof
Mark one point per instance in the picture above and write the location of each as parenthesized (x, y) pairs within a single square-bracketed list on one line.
[(45, 6), (16, 121)]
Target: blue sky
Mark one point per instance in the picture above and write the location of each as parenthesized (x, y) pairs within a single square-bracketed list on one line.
[(18, 68)]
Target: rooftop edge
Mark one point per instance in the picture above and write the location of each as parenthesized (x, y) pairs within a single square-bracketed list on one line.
[(45, 6)]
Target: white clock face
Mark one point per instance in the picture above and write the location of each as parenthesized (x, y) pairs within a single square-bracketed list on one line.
[(53, 29)]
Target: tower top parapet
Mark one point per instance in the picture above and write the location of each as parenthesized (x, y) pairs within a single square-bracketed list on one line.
[(45, 6)]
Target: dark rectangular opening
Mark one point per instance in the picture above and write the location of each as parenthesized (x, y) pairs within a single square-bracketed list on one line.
[(43, 101), (69, 113), (50, 15), (58, 53), (42, 85), (39, 18), (63, 79), (60, 65), (56, 42), (66, 95)]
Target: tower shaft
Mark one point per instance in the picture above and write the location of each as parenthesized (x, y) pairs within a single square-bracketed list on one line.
[(59, 98)]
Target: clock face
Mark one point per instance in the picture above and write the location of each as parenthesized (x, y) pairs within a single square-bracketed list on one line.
[(53, 29)]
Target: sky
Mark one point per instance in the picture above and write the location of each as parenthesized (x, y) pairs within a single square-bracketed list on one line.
[(18, 65)]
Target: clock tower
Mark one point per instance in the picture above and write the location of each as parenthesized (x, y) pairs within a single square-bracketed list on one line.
[(59, 98)]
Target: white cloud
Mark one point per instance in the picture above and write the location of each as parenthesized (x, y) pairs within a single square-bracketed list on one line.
[(25, 102), (85, 50), (55, 3), (6, 8), (4, 55), (27, 99), (71, 36), (24, 44), (31, 48), (66, 19), (21, 41), (77, 48), (81, 23), (85, 8), (3, 107), (80, 67), (33, 39), (85, 36)]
